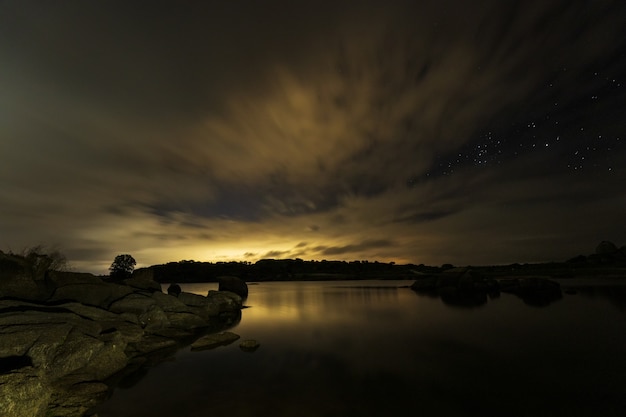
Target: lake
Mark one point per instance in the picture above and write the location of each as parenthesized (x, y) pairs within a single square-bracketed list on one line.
[(372, 348)]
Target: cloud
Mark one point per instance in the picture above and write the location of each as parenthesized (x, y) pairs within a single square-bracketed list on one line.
[(143, 131), (275, 254), (357, 247)]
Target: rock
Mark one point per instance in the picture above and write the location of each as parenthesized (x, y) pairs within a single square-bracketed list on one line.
[(212, 341), (24, 394), (76, 351), (16, 340), (131, 332), (173, 333), (186, 321), (174, 289), (74, 395), (170, 303), (193, 300), (426, 284), (222, 301), (535, 291), (249, 345), (96, 314), (233, 284), (100, 294), (154, 318), (143, 284), (153, 343), (47, 338), (460, 287), (23, 287), (110, 358), (133, 303), (62, 334), (63, 278), (228, 318)]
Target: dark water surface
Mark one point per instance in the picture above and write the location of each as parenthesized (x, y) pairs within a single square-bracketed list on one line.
[(357, 349)]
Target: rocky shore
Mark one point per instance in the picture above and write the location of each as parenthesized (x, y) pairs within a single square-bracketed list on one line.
[(64, 335), (467, 287)]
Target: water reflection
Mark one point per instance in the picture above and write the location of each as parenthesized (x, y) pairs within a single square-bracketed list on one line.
[(613, 290), (330, 349)]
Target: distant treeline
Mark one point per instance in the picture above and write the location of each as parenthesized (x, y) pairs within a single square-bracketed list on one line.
[(607, 259), (283, 270)]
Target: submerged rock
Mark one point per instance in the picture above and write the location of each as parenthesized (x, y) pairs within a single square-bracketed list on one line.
[(212, 341), (249, 345)]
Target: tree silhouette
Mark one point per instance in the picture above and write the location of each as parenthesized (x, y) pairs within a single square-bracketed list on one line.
[(122, 266)]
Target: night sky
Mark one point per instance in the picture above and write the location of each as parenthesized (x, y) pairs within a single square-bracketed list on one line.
[(464, 132)]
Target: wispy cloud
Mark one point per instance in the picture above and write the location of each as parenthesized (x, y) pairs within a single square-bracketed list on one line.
[(245, 134)]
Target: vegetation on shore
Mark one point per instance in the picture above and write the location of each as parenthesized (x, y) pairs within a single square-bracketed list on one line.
[(607, 260)]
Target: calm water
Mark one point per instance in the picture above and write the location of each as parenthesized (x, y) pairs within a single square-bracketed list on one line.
[(350, 349)]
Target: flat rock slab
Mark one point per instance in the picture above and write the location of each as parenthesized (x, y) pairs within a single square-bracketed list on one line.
[(153, 343), (212, 341)]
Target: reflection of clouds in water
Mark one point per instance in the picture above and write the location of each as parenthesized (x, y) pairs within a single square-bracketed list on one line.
[(340, 318), (318, 303), (358, 351)]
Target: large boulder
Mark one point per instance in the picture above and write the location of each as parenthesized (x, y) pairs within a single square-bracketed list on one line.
[(460, 287), (76, 351), (188, 321), (62, 278), (100, 294), (193, 300), (535, 291), (233, 284), (170, 303), (110, 358), (153, 319), (134, 303), (427, 284), (142, 283), (222, 302), (174, 289)]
